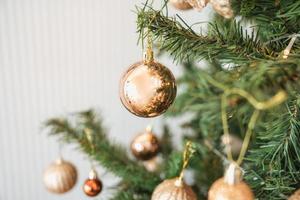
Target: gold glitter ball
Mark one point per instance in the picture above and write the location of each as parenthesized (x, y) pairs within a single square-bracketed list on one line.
[(173, 189), (147, 89), (181, 4)]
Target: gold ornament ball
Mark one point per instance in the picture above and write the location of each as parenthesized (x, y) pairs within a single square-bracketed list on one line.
[(153, 164), (295, 196), (60, 177), (231, 186), (198, 4), (145, 146), (173, 189), (147, 89), (181, 4), (93, 185), (221, 190), (232, 143), (223, 8)]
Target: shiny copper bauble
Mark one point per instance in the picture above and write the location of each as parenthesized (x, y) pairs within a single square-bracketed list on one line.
[(93, 185), (60, 177), (181, 4), (147, 89), (145, 146), (295, 196), (231, 187), (173, 189)]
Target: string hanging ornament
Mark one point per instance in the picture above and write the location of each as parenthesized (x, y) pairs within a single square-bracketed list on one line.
[(232, 186), (176, 188), (92, 185), (147, 88)]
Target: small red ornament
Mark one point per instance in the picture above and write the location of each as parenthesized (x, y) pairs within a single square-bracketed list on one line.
[(93, 185)]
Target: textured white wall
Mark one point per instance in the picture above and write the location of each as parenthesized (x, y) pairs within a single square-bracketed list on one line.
[(60, 56)]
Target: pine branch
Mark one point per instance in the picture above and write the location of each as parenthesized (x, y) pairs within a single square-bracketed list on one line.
[(276, 162), (225, 41), (110, 155), (273, 19)]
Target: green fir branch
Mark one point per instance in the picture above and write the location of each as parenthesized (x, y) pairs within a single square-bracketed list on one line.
[(110, 155)]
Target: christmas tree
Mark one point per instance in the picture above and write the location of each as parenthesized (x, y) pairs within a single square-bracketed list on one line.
[(244, 103)]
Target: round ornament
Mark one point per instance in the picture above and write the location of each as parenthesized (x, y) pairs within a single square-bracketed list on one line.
[(230, 187), (198, 4), (173, 189), (147, 89), (181, 4), (93, 185), (222, 7), (233, 142), (153, 164), (145, 146), (295, 196), (60, 177)]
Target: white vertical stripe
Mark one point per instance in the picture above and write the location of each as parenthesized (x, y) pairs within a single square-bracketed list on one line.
[(59, 56)]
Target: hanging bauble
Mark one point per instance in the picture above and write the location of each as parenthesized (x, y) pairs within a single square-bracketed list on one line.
[(231, 186), (222, 7), (198, 4), (60, 177), (153, 164), (173, 189), (181, 4), (145, 146), (93, 185), (295, 196), (232, 143), (147, 89)]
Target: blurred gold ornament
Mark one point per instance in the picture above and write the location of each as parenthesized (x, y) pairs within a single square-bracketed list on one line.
[(93, 185), (198, 4), (60, 177), (153, 164), (148, 88), (222, 7), (145, 146), (231, 186), (173, 189), (232, 143), (295, 196), (181, 4)]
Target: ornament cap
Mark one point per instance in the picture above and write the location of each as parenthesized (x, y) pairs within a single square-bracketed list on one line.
[(59, 161), (149, 57), (178, 182), (93, 174), (233, 174)]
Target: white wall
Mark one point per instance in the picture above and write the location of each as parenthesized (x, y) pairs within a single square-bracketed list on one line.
[(60, 56)]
